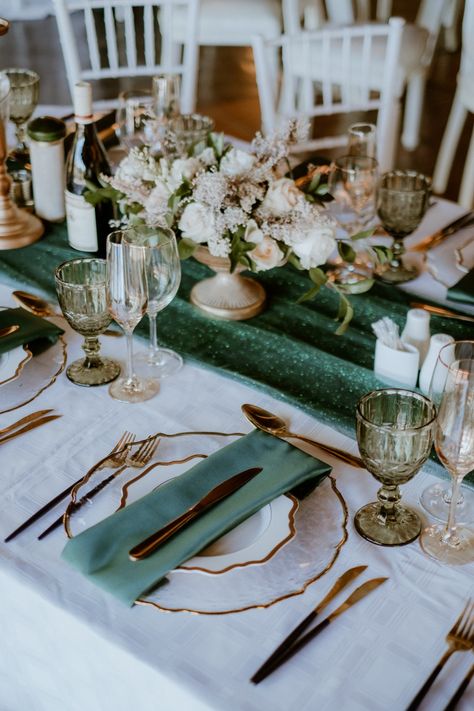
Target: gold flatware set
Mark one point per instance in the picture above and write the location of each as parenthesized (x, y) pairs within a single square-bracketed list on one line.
[(30, 422)]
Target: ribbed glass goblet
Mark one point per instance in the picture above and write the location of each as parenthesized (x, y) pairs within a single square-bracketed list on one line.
[(402, 200), (24, 95), (394, 433), (81, 289)]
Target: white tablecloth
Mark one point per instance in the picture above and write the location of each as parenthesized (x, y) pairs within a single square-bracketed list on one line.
[(68, 645)]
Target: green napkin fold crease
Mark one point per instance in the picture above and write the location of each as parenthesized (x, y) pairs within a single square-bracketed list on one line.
[(32, 328), (463, 291), (101, 552)]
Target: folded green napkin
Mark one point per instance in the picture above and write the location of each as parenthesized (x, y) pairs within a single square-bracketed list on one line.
[(32, 328), (101, 552), (463, 291)]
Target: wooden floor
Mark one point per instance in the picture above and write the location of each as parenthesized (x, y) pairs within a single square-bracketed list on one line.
[(227, 89)]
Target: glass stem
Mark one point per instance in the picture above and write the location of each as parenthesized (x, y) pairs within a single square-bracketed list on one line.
[(398, 249), (130, 375), (153, 345), (91, 348), (450, 535), (21, 137)]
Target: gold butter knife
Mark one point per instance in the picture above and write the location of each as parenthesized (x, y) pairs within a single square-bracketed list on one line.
[(27, 428), (440, 311), (440, 235), (8, 330), (358, 594), (221, 491), (24, 421), (342, 582)]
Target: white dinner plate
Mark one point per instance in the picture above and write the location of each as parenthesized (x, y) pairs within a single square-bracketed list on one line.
[(252, 542), (12, 362)]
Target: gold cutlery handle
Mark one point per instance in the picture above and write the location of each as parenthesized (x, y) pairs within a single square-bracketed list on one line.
[(156, 539), (351, 459)]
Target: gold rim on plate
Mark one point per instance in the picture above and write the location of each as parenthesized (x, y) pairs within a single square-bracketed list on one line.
[(20, 365)]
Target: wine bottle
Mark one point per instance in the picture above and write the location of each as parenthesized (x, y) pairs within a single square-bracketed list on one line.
[(87, 224)]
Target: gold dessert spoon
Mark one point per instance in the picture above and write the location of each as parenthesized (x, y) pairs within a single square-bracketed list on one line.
[(40, 307), (274, 425)]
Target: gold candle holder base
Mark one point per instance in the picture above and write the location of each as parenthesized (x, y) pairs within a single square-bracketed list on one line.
[(18, 228)]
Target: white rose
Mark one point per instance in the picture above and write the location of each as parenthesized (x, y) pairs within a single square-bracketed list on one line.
[(236, 162), (207, 157), (316, 247), (184, 168), (282, 197), (266, 255), (157, 201), (130, 168), (197, 223), (253, 233)]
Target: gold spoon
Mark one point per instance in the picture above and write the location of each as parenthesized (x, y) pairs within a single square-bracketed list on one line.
[(39, 307), (274, 425), (8, 330)]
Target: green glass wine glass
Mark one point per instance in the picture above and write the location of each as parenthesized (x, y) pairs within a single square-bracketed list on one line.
[(402, 200), (24, 95), (394, 433), (81, 289)]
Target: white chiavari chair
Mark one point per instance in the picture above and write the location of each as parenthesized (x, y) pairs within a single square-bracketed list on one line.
[(103, 39), (333, 71), (463, 103)]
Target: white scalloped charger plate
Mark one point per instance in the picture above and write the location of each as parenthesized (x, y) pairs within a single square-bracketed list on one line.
[(12, 362), (253, 542)]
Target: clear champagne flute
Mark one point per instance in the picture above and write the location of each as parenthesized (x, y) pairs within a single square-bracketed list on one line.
[(24, 95), (166, 106), (436, 499), (353, 184), (135, 117), (127, 302), (163, 270), (362, 140), (454, 442)]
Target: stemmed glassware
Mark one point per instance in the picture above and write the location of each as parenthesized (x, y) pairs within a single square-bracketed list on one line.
[(81, 289), (362, 140), (24, 95), (454, 443), (135, 117), (353, 184), (394, 433), (163, 272), (403, 197), (127, 302), (166, 106), (436, 499)]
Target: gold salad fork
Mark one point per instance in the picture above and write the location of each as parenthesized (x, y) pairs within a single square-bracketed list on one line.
[(460, 638), (137, 460), (112, 459)]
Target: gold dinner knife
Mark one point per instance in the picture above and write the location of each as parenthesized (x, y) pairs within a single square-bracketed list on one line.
[(438, 236), (8, 330), (221, 491), (32, 425), (358, 594), (440, 311)]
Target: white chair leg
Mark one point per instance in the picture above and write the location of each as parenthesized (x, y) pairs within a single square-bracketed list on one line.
[(450, 140), (413, 110), (466, 194), (387, 144)]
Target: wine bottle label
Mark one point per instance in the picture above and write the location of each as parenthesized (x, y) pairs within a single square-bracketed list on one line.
[(81, 224)]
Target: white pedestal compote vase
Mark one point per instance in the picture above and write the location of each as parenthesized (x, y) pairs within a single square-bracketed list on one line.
[(227, 295)]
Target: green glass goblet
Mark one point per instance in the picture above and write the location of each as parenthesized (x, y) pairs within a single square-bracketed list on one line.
[(24, 95), (394, 433), (81, 289), (402, 200)]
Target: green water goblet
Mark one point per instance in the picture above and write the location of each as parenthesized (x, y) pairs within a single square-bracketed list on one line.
[(24, 95), (81, 290), (402, 200), (394, 433)]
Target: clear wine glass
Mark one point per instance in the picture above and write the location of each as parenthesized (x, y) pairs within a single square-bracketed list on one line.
[(163, 271), (454, 442), (81, 289), (436, 499), (24, 95), (362, 140), (166, 106), (127, 302), (135, 117), (402, 200), (394, 433), (353, 183)]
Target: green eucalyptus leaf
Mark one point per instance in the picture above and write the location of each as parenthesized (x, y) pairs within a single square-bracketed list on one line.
[(346, 252), (359, 287), (294, 260), (317, 276), (383, 254), (365, 234), (310, 294), (186, 248)]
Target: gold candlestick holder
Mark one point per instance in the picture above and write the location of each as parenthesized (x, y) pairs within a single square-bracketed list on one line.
[(17, 227)]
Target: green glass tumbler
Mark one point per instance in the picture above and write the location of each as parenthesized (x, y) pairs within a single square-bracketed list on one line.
[(81, 289), (394, 433)]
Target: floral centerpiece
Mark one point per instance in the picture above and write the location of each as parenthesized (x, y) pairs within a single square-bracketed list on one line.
[(240, 206)]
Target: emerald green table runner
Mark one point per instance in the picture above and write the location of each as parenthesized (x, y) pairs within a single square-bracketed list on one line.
[(101, 552), (463, 291), (289, 351)]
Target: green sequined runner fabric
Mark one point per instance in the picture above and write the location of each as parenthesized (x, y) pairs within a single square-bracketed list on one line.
[(290, 350)]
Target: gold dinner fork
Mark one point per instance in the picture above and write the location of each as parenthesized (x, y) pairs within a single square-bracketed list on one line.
[(460, 639)]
